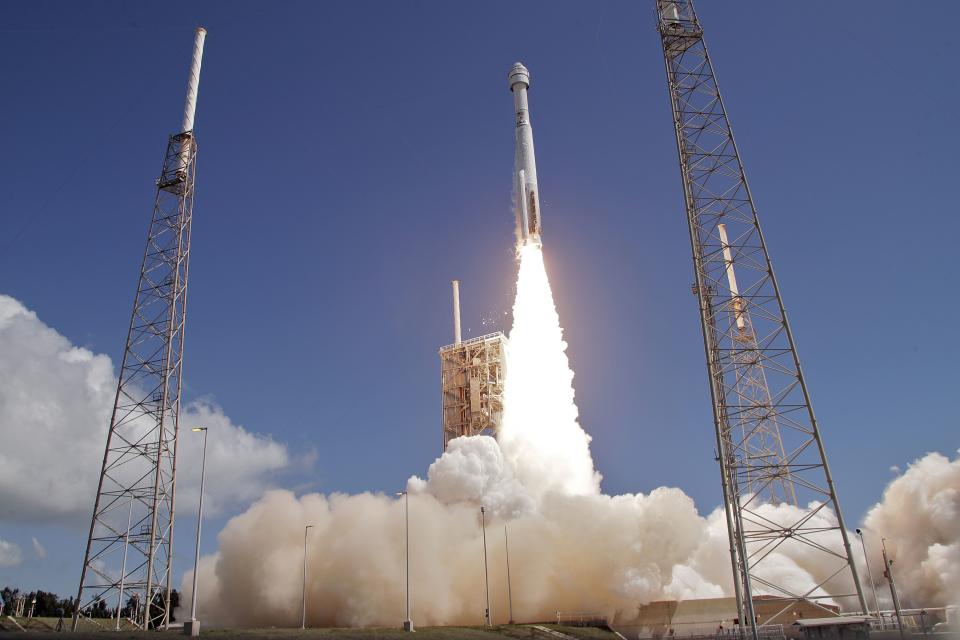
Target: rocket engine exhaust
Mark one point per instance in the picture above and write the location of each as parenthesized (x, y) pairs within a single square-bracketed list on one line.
[(528, 199)]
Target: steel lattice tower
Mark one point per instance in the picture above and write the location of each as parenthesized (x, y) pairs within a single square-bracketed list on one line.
[(769, 446), (130, 546)]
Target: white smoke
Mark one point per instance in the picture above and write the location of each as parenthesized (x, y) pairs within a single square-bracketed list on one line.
[(571, 547), (920, 518)]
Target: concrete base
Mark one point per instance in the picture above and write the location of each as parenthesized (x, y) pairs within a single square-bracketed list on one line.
[(408, 625), (191, 628)]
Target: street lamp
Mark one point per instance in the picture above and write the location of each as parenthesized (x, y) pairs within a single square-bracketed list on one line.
[(866, 559), (506, 546), (408, 623), (486, 575), (303, 620), (192, 626)]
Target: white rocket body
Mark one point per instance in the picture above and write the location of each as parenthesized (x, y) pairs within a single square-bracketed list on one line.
[(528, 197)]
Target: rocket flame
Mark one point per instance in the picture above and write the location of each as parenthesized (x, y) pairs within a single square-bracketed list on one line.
[(540, 436)]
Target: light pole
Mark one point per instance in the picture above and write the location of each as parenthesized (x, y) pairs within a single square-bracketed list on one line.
[(888, 574), (408, 623), (506, 546), (192, 626), (303, 619), (873, 586), (486, 574)]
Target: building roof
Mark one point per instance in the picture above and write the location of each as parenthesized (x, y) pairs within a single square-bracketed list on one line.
[(832, 622)]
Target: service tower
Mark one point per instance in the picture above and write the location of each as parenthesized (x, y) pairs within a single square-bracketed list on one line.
[(471, 381)]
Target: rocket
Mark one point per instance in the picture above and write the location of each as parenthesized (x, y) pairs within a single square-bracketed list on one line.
[(528, 199)]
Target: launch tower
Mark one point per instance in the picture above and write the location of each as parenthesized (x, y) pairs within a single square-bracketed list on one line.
[(471, 381), (127, 565), (768, 441)]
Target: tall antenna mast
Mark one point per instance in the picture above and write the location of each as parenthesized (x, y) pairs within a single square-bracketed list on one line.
[(128, 561), (768, 441)]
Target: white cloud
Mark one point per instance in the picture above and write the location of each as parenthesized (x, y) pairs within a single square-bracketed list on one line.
[(55, 403), (10, 554), (38, 549)]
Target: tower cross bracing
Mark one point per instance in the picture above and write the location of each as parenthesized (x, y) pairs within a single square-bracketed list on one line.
[(769, 447), (128, 562)]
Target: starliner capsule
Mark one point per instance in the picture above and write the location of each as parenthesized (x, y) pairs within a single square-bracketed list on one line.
[(528, 199)]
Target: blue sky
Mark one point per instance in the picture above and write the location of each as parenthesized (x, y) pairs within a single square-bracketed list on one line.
[(354, 157)]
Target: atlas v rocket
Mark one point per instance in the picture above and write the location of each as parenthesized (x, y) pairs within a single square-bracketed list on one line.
[(527, 199)]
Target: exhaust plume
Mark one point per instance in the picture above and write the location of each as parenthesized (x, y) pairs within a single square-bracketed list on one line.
[(572, 548)]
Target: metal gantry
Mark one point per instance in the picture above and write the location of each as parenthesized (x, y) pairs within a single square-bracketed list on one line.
[(769, 447), (471, 381), (128, 559)]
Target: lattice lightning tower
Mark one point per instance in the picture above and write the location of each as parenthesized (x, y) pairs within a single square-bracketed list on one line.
[(769, 446), (128, 561)]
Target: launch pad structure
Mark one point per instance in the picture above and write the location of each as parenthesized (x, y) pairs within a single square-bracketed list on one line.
[(471, 381)]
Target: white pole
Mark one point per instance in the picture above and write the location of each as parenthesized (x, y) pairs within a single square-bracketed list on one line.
[(456, 311), (193, 628), (731, 277), (303, 619), (486, 574), (193, 81), (190, 106), (506, 545), (866, 558), (408, 623)]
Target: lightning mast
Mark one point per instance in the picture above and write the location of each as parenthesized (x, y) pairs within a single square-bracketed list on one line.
[(130, 545), (769, 445)]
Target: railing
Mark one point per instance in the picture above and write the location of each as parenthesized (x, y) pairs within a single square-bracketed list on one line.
[(477, 340), (581, 619)]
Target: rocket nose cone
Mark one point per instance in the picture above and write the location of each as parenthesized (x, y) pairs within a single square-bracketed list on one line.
[(518, 74)]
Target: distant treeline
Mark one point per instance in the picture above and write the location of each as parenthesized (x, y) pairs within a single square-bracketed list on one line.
[(50, 605)]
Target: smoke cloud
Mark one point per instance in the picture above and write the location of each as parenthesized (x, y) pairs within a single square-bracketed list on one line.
[(571, 548), (919, 516)]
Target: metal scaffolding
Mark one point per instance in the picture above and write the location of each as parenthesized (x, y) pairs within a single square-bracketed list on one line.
[(471, 381), (769, 445), (128, 559)]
